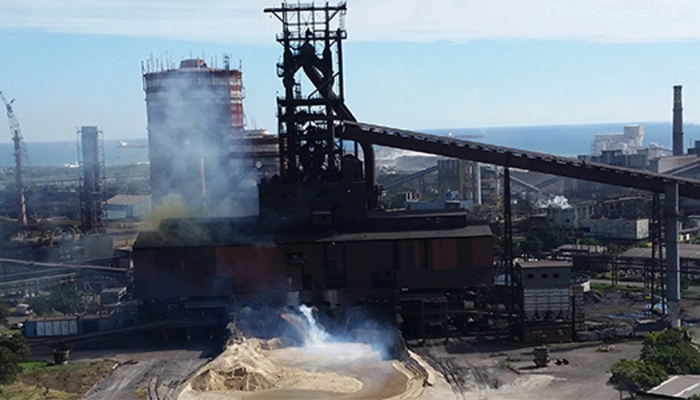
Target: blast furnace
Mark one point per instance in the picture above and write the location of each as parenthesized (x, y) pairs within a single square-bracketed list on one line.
[(321, 236)]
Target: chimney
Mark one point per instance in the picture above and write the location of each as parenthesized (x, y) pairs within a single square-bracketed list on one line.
[(677, 121)]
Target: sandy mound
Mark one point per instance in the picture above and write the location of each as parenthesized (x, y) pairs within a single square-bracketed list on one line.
[(239, 379), (243, 367), (239, 367)]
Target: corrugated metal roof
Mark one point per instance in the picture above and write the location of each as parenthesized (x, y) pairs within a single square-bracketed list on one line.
[(468, 231), (198, 235), (678, 387), (685, 250), (544, 264), (126, 199), (53, 318)]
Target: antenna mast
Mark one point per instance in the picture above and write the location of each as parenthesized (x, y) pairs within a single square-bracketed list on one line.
[(19, 178)]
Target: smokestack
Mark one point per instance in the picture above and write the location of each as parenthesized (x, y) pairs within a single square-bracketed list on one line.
[(677, 121)]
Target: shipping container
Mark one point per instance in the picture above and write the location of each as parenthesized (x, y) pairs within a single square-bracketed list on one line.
[(547, 333), (49, 327)]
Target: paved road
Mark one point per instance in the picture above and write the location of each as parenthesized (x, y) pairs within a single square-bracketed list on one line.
[(159, 374)]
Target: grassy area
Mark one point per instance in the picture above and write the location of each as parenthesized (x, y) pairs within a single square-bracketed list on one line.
[(602, 287), (42, 380)]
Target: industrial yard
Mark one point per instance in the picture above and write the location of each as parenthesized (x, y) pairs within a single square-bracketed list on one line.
[(336, 258)]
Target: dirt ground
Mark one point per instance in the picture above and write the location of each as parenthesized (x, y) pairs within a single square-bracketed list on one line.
[(481, 370), (251, 371), (144, 373), (459, 369)]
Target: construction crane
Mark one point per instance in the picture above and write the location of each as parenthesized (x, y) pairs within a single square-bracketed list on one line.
[(19, 178)]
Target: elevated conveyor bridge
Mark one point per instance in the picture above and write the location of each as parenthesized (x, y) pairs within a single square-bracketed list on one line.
[(672, 187), (514, 158)]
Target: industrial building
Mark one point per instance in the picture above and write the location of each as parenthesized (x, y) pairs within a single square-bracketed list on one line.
[(322, 236), (571, 217), (547, 297), (629, 142), (128, 206), (460, 179), (630, 229), (678, 387), (193, 113)]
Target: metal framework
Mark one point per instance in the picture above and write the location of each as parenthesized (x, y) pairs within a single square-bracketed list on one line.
[(656, 276), (19, 170), (92, 169), (309, 115)]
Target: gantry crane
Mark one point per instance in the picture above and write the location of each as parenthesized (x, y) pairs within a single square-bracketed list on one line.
[(19, 178)]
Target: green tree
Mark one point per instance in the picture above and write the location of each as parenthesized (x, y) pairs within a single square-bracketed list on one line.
[(590, 241), (9, 366), (552, 237), (17, 344), (4, 312), (66, 299), (13, 350), (670, 351), (634, 375), (673, 350), (532, 245), (40, 305)]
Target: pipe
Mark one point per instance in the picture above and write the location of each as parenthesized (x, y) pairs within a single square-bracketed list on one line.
[(477, 181)]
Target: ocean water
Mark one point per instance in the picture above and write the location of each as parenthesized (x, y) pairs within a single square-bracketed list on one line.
[(569, 140), (561, 140), (43, 154)]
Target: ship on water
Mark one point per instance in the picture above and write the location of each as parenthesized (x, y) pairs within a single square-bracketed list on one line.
[(123, 144)]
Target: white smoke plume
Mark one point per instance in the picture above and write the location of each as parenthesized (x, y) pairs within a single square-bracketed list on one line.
[(557, 202), (190, 131)]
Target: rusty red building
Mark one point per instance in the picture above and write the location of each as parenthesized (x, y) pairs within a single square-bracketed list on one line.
[(224, 258)]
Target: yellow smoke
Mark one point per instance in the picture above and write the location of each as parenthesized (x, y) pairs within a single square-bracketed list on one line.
[(170, 206)]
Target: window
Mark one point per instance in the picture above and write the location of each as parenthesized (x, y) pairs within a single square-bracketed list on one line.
[(555, 275), (530, 276), (545, 276)]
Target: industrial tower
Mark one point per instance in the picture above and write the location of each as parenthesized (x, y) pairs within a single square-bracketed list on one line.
[(19, 173), (194, 111), (310, 116), (91, 160)]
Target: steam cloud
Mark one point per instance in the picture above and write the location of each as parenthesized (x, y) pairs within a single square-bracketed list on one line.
[(189, 131), (557, 202)]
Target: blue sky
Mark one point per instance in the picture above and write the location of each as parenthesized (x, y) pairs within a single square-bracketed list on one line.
[(414, 64)]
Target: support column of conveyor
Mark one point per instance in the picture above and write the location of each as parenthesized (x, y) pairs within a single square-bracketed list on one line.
[(673, 283), (477, 183), (508, 245)]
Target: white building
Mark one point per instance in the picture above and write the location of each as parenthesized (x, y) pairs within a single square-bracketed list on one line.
[(570, 217), (124, 206), (618, 228), (628, 142)]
